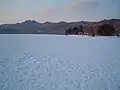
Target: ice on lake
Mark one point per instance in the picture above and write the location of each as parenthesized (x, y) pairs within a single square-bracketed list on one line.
[(47, 62)]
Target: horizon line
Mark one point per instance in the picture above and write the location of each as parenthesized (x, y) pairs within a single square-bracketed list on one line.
[(57, 21)]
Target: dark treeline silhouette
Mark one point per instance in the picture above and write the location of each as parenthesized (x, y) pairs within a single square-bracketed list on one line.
[(106, 30), (75, 31), (103, 30)]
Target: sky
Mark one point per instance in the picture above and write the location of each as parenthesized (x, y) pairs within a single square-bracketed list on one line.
[(12, 11)]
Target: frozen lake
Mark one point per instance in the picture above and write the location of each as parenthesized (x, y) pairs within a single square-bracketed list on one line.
[(46, 62)]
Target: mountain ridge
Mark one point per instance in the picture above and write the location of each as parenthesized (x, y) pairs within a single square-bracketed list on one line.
[(35, 27)]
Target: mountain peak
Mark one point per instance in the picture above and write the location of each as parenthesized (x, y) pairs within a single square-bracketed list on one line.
[(62, 22), (30, 22), (47, 22)]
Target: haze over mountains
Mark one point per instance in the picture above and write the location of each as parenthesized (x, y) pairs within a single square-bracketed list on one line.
[(34, 27)]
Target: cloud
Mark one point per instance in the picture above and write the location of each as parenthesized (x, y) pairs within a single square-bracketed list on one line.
[(73, 6), (76, 5), (85, 5), (77, 10), (73, 10)]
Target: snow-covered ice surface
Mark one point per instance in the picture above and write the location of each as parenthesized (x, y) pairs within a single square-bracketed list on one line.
[(39, 62)]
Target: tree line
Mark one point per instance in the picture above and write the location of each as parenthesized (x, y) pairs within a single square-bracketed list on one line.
[(103, 30), (75, 31)]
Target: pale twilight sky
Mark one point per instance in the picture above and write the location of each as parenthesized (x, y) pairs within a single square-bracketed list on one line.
[(12, 11)]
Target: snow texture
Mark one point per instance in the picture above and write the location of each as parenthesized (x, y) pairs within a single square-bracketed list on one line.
[(39, 62)]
